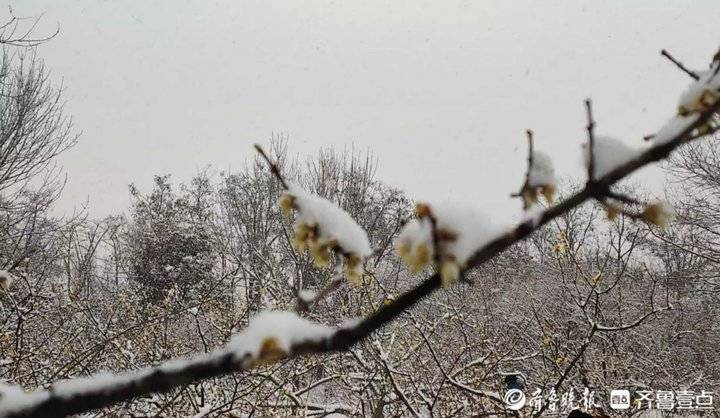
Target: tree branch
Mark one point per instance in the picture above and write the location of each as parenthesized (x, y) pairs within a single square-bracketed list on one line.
[(591, 141), (273, 167), (680, 65)]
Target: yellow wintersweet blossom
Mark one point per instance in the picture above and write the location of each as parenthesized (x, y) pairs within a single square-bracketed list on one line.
[(270, 351), (546, 342), (548, 191), (320, 252), (561, 245), (612, 211), (540, 180), (659, 214), (449, 273), (340, 235), (287, 204), (702, 102), (416, 257), (530, 196), (422, 210), (304, 234), (445, 237), (353, 271), (416, 252)]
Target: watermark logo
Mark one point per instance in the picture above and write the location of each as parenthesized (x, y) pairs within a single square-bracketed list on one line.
[(620, 399), (669, 400), (514, 399)]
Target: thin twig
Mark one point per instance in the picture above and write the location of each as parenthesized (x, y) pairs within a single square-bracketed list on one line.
[(305, 305), (273, 167), (680, 65), (591, 141), (530, 162), (530, 157), (623, 198)]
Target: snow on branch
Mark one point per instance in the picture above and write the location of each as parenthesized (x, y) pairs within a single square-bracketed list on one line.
[(280, 335), (539, 178), (702, 93), (446, 235), (269, 336), (273, 334), (672, 128), (322, 227), (607, 154)]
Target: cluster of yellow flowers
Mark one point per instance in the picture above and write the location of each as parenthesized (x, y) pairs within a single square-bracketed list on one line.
[(270, 352), (612, 210), (415, 246), (659, 214), (540, 179), (531, 194), (702, 94), (307, 237), (561, 244)]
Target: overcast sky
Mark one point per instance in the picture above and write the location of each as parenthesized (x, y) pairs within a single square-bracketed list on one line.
[(440, 91)]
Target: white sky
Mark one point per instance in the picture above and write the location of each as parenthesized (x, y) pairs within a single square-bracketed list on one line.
[(441, 91)]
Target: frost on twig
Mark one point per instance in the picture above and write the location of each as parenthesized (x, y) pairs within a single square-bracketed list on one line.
[(446, 236), (18, 31)]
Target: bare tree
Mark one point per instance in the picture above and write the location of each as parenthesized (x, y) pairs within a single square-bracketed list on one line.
[(33, 126)]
